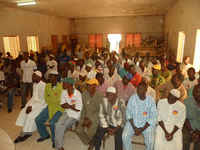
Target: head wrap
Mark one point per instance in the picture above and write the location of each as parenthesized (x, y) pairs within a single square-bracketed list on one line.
[(38, 73), (89, 65), (51, 55), (111, 89), (54, 72), (92, 81), (68, 80), (157, 67), (176, 93)]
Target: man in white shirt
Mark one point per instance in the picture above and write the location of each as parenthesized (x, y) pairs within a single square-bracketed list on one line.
[(36, 104), (171, 118), (52, 65), (27, 66), (71, 101), (186, 65)]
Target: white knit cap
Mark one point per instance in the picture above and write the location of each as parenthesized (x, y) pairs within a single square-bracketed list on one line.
[(38, 73), (54, 72), (111, 89), (89, 65), (176, 93)]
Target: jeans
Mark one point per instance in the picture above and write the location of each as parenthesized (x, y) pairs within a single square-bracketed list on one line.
[(26, 87), (11, 94), (40, 123), (100, 134)]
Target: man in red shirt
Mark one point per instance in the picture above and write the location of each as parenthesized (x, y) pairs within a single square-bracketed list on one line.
[(137, 78)]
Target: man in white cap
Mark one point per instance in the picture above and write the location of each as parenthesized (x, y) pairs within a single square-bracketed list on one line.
[(36, 104), (171, 118), (112, 119), (52, 65)]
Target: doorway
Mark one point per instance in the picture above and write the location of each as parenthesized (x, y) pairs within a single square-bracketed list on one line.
[(114, 40)]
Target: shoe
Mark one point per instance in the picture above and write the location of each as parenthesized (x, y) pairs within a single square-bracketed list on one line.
[(25, 137), (22, 106), (9, 110), (53, 145), (18, 139), (43, 139)]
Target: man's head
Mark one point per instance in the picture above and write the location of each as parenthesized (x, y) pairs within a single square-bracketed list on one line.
[(100, 78), (177, 80), (142, 64), (53, 77), (88, 67), (196, 93), (186, 60), (51, 57), (26, 55), (68, 83), (141, 90), (111, 94), (37, 76), (156, 70), (191, 72), (125, 80), (173, 96), (132, 69), (91, 85)]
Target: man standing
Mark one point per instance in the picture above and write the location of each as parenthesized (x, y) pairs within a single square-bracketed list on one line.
[(191, 131), (89, 119), (36, 104), (53, 111), (112, 119), (71, 101), (171, 117), (27, 66), (141, 116)]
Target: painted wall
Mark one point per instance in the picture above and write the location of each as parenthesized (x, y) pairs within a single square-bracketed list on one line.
[(147, 25), (184, 16), (25, 23)]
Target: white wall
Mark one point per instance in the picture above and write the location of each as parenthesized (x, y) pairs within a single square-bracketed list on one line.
[(148, 25), (24, 23), (184, 16)]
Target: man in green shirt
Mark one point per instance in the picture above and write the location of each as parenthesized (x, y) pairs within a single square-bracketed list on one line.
[(191, 131), (53, 111)]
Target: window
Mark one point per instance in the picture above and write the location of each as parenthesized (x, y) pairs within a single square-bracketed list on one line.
[(181, 44), (133, 40), (54, 41), (114, 40), (11, 45), (197, 52), (95, 40), (33, 44)]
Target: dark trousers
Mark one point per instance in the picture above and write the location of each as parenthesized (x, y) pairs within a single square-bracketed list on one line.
[(11, 95), (26, 87), (100, 134), (187, 140)]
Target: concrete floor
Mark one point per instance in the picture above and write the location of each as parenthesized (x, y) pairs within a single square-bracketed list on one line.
[(7, 124)]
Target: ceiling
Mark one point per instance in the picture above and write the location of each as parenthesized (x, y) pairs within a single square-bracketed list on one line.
[(96, 8)]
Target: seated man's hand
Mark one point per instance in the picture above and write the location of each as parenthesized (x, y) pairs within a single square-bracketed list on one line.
[(195, 136), (65, 106), (28, 109), (138, 131)]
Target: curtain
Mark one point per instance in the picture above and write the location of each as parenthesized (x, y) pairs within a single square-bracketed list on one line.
[(54, 41), (129, 40), (11, 45), (99, 40), (137, 40), (33, 43), (92, 40)]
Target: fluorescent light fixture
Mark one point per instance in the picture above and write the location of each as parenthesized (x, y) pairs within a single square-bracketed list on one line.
[(26, 3)]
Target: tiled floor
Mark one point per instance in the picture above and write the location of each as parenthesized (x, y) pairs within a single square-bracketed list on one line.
[(7, 123)]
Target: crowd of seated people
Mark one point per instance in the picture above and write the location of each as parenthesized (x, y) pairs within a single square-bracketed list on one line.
[(102, 94)]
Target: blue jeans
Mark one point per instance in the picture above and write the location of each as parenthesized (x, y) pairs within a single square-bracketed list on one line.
[(25, 89), (11, 94), (40, 123)]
